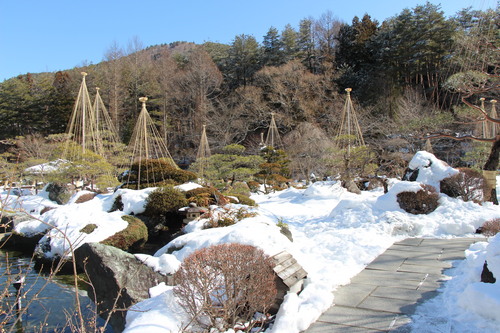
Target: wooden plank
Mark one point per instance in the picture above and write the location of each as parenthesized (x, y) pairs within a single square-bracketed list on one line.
[(280, 257), (284, 265), (292, 279), (290, 270)]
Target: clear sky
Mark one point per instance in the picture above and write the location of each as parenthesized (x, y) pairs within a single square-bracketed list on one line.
[(50, 35)]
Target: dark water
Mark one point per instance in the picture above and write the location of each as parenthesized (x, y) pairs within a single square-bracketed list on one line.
[(47, 303)]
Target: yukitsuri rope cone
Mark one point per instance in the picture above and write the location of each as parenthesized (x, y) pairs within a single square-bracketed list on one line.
[(349, 133), (82, 128), (105, 129), (92, 146), (148, 150), (273, 138), (203, 154)]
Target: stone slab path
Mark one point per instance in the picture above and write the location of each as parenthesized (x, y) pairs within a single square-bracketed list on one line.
[(384, 295)]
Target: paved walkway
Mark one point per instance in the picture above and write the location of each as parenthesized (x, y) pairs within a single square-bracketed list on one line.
[(384, 295)]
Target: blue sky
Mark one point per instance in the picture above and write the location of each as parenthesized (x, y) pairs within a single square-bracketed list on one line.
[(50, 35)]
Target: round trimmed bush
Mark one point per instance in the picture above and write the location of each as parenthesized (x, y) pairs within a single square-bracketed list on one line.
[(164, 200), (204, 196), (423, 201)]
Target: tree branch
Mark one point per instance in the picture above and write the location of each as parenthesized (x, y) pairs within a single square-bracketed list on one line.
[(485, 114), (459, 138)]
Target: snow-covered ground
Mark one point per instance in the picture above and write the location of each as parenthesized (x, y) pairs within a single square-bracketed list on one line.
[(335, 235)]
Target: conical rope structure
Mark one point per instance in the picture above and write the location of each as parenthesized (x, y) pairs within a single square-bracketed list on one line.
[(494, 127), (82, 128), (273, 138), (149, 150), (349, 132), (106, 130), (487, 129), (482, 127), (203, 154)]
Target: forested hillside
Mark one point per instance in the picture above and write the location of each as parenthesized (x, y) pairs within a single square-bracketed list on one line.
[(407, 73)]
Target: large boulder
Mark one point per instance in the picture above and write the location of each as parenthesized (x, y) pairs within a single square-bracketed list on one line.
[(118, 278), (60, 193), (15, 240)]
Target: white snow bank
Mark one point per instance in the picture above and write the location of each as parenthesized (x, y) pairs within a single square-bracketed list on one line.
[(159, 314), (46, 167), (335, 235), (64, 224), (134, 201), (493, 256), (325, 189), (251, 231), (188, 186), (431, 169), (31, 204), (164, 264)]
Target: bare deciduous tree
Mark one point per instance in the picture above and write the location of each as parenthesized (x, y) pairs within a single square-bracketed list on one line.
[(222, 285)]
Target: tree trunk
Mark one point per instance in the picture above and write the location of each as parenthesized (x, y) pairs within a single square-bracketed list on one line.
[(492, 164)]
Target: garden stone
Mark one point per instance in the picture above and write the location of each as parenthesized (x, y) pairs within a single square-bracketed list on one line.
[(115, 273)]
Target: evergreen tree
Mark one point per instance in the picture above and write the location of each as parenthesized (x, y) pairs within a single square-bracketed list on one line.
[(60, 103), (272, 53), (355, 58), (17, 106), (274, 172), (306, 45), (289, 41), (231, 165), (243, 59)]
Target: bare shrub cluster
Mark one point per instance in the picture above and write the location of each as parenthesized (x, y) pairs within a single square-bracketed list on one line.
[(491, 228), (85, 197), (227, 216), (223, 285), (468, 184), (423, 201)]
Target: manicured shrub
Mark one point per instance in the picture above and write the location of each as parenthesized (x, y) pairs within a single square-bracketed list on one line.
[(134, 236), (164, 200), (491, 227), (242, 199), (424, 201), (155, 172), (468, 184), (240, 188), (205, 196), (226, 283), (253, 185)]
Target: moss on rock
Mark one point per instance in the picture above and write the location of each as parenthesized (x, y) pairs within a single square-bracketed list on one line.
[(134, 236)]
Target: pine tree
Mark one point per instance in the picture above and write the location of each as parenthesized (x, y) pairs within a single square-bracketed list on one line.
[(243, 59), (272, 53), (306, 46), (289, 41)]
